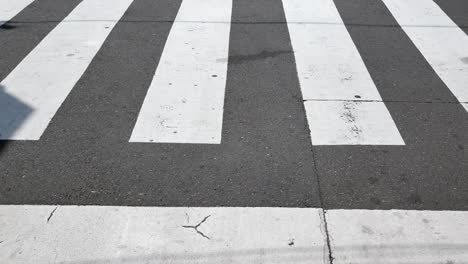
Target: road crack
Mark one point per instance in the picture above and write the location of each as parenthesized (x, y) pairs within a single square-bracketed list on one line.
[(195, 227), (51, 214), (325, 230)]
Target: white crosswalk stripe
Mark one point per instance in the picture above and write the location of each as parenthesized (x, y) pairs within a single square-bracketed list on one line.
[(335, 83), (185, 101), (398, 236), (9, 8), (44, 78), (99, 234), (438, 38), (94, 234)]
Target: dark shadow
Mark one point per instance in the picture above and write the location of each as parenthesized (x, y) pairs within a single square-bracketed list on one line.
[(13, 113), (7, 26), (3, 145)]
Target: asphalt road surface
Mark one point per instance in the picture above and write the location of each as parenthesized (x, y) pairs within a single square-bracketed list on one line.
[(266, 156), (339, 104)]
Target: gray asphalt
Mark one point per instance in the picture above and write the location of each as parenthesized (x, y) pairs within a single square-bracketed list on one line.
[(266, 157)]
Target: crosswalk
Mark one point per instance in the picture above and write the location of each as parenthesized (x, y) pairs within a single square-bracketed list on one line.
[(45, 77), (185, 101), (243, 88)]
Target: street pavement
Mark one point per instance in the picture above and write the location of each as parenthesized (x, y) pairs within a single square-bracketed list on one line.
[(290, 131)]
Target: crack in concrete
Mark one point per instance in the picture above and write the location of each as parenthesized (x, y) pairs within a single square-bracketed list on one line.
[(327, 236), (195, 227), (322, 214), (51, 214)]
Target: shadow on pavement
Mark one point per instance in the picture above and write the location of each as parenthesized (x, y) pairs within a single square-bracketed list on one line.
[(13, 113)]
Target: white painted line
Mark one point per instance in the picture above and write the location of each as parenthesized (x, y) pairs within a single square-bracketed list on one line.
[(328, 64), (398, 236), (45, 77), (100, 234), (185, 100), (10, 8), (351, 123), (330, 68), (438, 38), (92, 234)]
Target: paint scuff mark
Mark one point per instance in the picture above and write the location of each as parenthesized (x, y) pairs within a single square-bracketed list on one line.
[(349, 116), (464, 60), (347, 78), (51, 214), (367, 230), (162, 123), (195, 227)]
